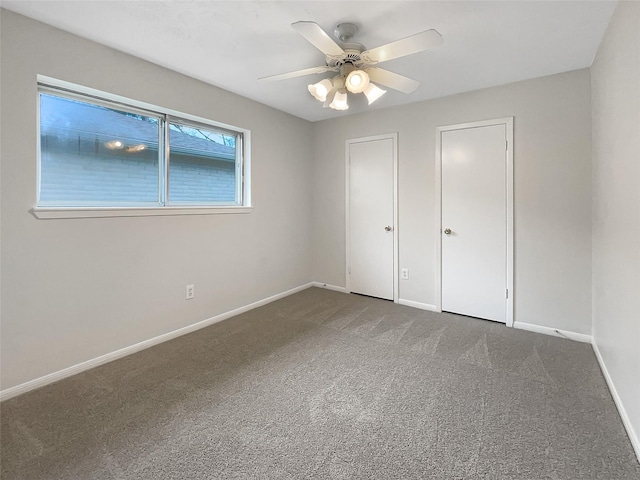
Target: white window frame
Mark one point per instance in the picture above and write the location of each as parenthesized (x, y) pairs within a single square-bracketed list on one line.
[(243, 160)]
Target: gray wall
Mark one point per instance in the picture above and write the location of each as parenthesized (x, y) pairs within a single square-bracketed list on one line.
[(76, 289), (615, 89), (552, 170)]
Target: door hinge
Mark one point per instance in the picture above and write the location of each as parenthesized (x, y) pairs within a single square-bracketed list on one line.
[(506, 293), (506, 144)]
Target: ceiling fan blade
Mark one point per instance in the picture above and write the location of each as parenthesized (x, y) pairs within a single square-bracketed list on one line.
[(400, 48), (298, 73), (392, 80), (318, 38)]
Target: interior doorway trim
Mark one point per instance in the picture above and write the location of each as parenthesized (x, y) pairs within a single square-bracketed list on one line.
[(394, 138), (508, 123)]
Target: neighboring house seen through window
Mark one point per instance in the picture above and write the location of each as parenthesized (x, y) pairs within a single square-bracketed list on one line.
[(96, 152)]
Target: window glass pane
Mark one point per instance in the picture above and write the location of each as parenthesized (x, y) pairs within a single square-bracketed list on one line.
[(93, 155), (202, 165)]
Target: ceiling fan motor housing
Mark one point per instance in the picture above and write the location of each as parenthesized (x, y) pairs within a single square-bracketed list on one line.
[(352, 50)]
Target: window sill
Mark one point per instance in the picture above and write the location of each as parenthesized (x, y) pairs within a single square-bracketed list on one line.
[(99, 212)]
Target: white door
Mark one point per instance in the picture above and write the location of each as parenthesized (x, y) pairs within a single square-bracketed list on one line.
[(371, 217), (474, 221)]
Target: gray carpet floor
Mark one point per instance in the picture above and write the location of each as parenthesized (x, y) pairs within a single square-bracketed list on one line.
[(324, 385)]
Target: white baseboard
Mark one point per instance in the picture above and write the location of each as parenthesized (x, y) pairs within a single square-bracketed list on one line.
[(578, 337), (420, 305), (329, 287), (123, 352), (633, 437)]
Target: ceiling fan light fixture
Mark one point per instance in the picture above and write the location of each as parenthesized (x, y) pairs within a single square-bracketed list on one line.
[(357, 81), (340, 101), (321, 89), (373, 93)]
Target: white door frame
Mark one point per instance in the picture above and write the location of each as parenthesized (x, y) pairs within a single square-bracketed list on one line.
[(508, 123), (394, 138)]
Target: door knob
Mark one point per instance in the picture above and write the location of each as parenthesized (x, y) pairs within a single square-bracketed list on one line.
[(447, 231), (387, 228)]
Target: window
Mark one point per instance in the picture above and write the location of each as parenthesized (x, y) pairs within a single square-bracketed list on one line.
[(98, 151)]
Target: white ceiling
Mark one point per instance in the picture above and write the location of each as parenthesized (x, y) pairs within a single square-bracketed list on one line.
[(231, 44)]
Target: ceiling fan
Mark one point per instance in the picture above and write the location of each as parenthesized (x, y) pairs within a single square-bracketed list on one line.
[(356, 67)]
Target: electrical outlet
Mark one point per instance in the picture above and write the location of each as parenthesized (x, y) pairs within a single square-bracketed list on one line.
[(404, 273), (190, 292)]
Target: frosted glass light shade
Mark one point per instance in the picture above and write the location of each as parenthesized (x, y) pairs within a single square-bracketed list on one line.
[(357, 81), (330, 97), (319, 90), (373, 93), (340, 101)]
